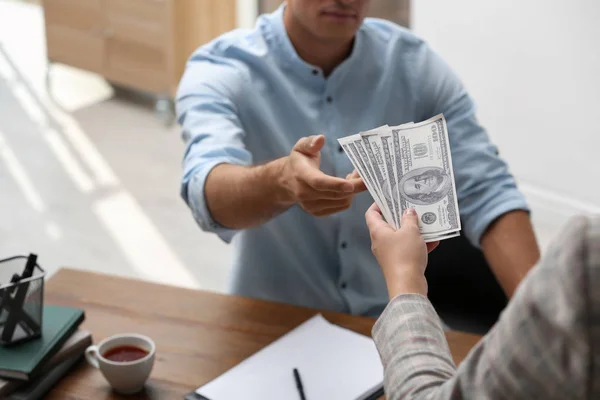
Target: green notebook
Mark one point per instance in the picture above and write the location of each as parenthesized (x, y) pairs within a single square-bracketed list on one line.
[(23, 361)]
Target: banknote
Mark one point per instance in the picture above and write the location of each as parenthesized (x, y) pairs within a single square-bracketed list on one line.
[(409, 166), (374, 172), (351, 148), (391, 161), (383, 169), (384, 140), (435, 238), (425, 175)]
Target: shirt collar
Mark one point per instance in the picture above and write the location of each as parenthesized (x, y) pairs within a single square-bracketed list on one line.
[(287, 55)]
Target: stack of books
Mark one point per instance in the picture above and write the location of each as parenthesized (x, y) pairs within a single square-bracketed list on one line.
[(30, 369)]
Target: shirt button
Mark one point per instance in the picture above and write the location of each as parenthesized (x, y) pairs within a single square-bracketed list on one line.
[(340, 149), (343, 285), (315, 72), (329, 99), (343, 245)]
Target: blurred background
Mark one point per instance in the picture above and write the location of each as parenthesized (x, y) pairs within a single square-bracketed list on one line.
[(90, 155)]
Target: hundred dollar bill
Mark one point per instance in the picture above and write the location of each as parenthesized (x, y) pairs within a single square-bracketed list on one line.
[(435, 238), (384, 141), (387, 143), (352, 146), (425, 178), (374, 148), (364, 156)]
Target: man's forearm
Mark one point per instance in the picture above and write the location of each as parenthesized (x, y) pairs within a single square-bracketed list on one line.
[(511, 249), (240, 197)]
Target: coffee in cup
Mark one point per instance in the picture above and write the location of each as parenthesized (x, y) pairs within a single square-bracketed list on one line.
[(125, 360)]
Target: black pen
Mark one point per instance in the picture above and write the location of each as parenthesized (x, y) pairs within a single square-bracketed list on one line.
[(299, 384)]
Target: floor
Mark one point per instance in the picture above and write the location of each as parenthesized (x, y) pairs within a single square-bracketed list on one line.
[(90, 180)]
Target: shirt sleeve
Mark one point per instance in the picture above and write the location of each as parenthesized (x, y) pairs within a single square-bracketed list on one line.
[(208, 111), (485, 187), (539, 349)]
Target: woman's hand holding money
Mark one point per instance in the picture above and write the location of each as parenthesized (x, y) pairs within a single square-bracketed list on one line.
[(402, 253)]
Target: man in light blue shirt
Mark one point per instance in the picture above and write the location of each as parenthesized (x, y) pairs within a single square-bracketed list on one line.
[(252, 105)]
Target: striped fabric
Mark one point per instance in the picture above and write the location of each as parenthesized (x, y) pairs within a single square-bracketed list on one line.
[(545, 345)]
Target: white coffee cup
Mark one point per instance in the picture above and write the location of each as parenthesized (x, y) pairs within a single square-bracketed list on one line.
[(125, 377)]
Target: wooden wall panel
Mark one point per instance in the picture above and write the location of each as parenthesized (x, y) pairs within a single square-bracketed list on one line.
[(397, 11), (196, 23)]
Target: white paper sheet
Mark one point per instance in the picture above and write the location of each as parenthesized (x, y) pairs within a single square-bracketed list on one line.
[(334, 363)]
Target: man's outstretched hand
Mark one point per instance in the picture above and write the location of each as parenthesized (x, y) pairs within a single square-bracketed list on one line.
[(317, 193)]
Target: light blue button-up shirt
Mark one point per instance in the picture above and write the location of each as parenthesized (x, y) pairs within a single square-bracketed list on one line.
[(247, 97)]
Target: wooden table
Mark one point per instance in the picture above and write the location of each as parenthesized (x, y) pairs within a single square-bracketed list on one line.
[(198, 334)]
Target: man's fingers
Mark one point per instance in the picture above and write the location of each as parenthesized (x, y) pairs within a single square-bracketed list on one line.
[(328, 195), (310, 145), (308, 193), (320, 205), (323, 182), (431, 246), (329, 211), (353, 175), (359, 185), (375, 219)]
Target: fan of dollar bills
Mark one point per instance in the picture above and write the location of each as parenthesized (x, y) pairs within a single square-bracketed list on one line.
[(409, 166)]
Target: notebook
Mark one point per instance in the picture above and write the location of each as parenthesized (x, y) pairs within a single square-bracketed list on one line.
[(334, 363), (41, 385), (26, 359), (74, 346)]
